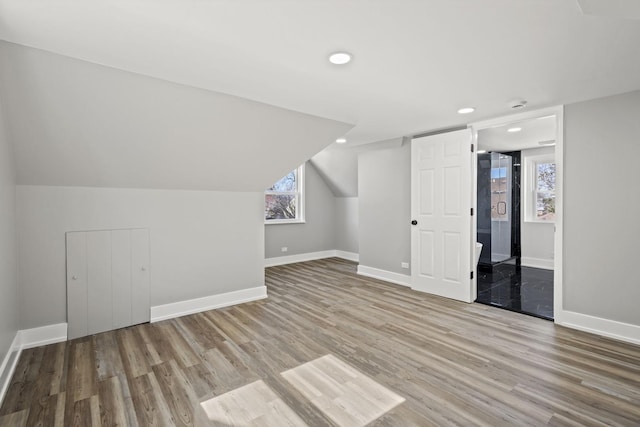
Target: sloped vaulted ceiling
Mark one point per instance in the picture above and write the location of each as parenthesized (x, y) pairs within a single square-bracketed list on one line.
[(415, 64), (80, 124)]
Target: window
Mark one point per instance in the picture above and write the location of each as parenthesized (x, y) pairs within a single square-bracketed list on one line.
[(284, 201), (542, 185)]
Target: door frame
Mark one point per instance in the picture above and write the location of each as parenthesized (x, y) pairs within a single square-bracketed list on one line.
[(558, 112)]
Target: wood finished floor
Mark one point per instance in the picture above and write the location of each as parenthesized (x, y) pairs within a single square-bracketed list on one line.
[(453, 363)]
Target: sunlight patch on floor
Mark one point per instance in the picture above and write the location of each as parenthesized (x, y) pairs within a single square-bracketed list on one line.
[(348, 397), (254, 404)]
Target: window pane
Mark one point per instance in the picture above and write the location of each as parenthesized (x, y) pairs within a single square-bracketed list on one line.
[(286, 183), (280, 206), (546, 176), (546, 206), (498, 173)]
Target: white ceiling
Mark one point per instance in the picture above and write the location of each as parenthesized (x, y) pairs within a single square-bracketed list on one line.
[(533, 131), (415, 62)]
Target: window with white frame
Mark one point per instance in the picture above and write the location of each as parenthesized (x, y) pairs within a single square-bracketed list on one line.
[(541, 185), (284, 200)]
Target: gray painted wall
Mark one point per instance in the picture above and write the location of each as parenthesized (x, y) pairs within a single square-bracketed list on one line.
[(347, 229), (338, 164), (75, 123), (318, 231), (8, 278), (384, 196), (201, 242), (602, 207)]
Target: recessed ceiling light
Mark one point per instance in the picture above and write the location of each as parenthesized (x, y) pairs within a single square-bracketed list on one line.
[(516, 129), (482, 151), (341, 140), (340, 58), (466, 110)]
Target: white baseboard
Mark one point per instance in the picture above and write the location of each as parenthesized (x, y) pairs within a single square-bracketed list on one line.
[(183, 308), (43, 335), (290, 259), (349, 256), (546, 264), (387, 276), (599, 326), (310, 256), (9, 364), (28, 338)]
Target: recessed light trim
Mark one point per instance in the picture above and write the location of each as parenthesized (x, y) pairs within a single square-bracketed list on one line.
[(514, 129), (466, 110), (341, 140), (340, 58)]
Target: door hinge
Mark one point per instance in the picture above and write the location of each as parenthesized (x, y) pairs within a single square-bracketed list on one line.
[(471, 211), (472, 275), (472, 148)]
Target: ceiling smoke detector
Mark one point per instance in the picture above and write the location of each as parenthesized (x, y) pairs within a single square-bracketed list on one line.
[(517, 104)]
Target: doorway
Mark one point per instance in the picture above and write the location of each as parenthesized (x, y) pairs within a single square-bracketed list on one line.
[(518, 205)]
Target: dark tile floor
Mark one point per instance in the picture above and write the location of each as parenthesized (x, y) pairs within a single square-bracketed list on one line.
[(522, 289)]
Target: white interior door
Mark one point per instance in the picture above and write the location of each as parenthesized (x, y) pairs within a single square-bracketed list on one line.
[(441, 195), (107, 280)]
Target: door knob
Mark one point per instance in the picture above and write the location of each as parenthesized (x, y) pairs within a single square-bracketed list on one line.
[(143, 268), (414, 222), (74, 277)]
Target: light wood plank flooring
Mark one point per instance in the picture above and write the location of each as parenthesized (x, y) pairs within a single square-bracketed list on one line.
[(452, 363)]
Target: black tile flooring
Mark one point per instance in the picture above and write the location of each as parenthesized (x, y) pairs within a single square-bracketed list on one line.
[(523, 289)]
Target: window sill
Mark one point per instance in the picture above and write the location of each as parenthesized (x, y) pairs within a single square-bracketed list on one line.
[(285, 221), (536, 221)]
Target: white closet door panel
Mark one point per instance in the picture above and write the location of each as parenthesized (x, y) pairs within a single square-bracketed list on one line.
[(121, 277), (99, 298), (76, 285), (140, 311)]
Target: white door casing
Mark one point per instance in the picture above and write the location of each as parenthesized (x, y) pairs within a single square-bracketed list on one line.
[(441, 197), (558, 112)]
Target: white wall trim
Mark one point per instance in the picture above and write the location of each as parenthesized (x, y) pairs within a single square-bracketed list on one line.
[(349, 256), (558, 111), (28, 338), (43, 335), (9, 364), (310, 256), (387, 276), (197, 305), (558, 241), (546, 264), (290, 259), (599, 326)]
